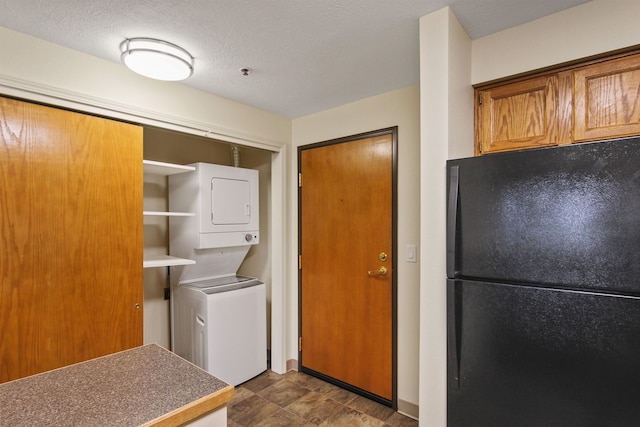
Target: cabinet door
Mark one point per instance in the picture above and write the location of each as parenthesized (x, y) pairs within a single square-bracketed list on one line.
[(607, 99), (526, 114), (70, 238)]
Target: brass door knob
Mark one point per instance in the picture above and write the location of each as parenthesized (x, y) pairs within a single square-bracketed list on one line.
[(382, 271)]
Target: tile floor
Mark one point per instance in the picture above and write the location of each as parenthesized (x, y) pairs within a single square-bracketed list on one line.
[(297, 399)]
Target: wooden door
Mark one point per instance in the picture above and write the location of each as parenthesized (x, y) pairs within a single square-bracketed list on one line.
[(70, 238), (526, 114), (607, 99), (347, 312)]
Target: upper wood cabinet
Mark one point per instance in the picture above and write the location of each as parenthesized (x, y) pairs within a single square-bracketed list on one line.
[(525, 114), (71, 237), (607, 99), (593, 100)]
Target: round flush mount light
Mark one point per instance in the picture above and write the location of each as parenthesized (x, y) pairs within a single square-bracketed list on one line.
[(156, 59)]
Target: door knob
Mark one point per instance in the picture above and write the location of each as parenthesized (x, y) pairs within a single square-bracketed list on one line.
[(382, 271)]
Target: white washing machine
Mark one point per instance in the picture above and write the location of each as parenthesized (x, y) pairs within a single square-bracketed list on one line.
[(220, 325)]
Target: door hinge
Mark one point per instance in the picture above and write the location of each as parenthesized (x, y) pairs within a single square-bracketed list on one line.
[(299, 262), (300, 180), (479, 99), (300, 344)]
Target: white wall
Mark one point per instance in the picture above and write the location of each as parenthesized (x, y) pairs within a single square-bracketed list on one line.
[(585, 30), (397, 108), (62, 76), (447, 126), (446, 101)]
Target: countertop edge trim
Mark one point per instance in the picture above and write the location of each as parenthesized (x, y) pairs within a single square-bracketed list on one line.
[(194, 409)]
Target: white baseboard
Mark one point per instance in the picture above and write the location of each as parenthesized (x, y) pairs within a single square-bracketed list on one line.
[(409, 409), (292, 365)]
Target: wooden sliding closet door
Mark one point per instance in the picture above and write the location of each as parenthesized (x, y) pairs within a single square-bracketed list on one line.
[(70, 238)]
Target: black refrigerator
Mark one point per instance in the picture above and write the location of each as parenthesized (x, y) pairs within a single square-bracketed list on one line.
[(543, 287)]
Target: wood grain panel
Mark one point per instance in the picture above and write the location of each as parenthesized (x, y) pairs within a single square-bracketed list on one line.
[(520, 115), (508, 112), (607, 99), (591, 99), (564, 114), (346, 214), (71, 237)]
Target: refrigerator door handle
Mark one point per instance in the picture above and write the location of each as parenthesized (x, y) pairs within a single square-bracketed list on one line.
[(452, 219), (453, 335)]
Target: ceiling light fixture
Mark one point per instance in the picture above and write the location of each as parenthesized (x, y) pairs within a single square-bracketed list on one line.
[(156, 59)]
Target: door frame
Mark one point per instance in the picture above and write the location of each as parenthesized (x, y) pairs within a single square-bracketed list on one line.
[(393, 131)]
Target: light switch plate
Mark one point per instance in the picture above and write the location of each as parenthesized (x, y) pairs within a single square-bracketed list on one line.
[(411, 253)]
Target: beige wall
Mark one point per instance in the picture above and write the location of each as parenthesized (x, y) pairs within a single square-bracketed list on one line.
[(398, 108), (61, 76), (592, 28), (446, 132)]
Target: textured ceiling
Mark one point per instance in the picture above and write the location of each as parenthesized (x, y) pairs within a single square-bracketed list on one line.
[(305, 55)]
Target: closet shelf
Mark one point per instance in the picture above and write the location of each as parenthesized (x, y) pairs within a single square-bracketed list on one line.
[(165, 169), (156, 213), (165, 261), (161, 168)]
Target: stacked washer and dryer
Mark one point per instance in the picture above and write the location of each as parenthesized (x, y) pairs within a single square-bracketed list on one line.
[(218, 319)]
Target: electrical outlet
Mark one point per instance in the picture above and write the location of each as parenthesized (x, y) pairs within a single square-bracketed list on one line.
[(167, 294)]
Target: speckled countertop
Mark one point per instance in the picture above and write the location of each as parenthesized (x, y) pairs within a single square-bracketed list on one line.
[(146, 385)]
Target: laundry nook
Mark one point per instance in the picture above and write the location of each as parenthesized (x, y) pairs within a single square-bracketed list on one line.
[(218, 318)]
